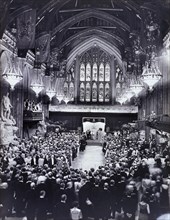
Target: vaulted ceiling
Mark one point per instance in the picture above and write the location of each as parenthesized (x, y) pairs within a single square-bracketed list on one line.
[(70, 22)]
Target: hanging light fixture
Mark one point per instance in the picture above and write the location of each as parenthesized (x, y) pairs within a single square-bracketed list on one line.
[(122, 98), (136, 86), (13, 74), (151, 73), (66, 99), (59, 97), (37, 86), (50, 91), (129, 94), (59, 88)]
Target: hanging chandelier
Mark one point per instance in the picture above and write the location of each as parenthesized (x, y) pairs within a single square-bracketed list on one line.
[(129, 94), (13, 76), (151, 74), (50, 93), (122, 99), (59, 97), (66, 99), (136, 86), (37, 86)]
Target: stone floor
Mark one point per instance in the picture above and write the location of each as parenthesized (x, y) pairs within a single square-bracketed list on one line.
[(92, 157)]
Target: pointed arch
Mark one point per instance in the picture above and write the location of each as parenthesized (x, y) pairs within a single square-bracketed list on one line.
[(90, 42)]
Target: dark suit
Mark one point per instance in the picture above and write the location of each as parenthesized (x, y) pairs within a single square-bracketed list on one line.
[(31, 199), (96, 200), (61, 211), (51, 162), (42, 209), (34, 162)]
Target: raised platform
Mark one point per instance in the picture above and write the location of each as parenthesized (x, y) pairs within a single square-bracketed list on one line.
[(32, 116), (94, 142)]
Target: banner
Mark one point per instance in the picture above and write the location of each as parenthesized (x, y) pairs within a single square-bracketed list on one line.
[(26, 23), (43, 44)]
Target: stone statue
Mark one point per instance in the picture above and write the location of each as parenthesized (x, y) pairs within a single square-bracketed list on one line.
[(6, 108), (8, 126)]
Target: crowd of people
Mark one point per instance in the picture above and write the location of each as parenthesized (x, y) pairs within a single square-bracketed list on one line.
[(37, 179)]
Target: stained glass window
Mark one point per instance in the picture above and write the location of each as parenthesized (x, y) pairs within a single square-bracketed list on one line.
[(107, 92), (101, 72), (71, 90), (82, 72), (94, 92), (65, 89), (101, 92), (95, 76), (88, 72), (82, 92), (95, 72), (107, 72), (88, 92)]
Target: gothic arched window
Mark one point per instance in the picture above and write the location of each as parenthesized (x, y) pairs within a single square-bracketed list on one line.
[(82, 92), (107, 92), (101, 72), (82, 72), (88, 72), (71, 90), (101, 92), (95, 72), (88, 92), (107, 72), (94, 92), (95, 76), (65, 89)]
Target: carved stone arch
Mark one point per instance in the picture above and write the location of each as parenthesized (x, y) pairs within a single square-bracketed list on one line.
[(94, 31), (87, 44)]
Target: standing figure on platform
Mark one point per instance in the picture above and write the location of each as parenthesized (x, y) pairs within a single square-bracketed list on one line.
[(100, 135), (88, 134), (5, 107), (83, 143)]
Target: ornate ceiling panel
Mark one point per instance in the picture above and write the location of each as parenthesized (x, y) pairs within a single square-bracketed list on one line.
[(69, 22)]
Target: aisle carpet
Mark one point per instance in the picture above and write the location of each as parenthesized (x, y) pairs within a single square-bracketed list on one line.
[(92, 157)]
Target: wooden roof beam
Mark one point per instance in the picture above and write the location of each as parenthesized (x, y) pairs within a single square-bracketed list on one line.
[(85, 9)]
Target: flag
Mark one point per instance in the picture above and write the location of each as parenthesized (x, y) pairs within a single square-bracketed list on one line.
[(43, 44), (26, 23)]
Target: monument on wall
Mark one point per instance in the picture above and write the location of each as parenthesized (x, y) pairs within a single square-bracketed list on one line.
[(8, 126)]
